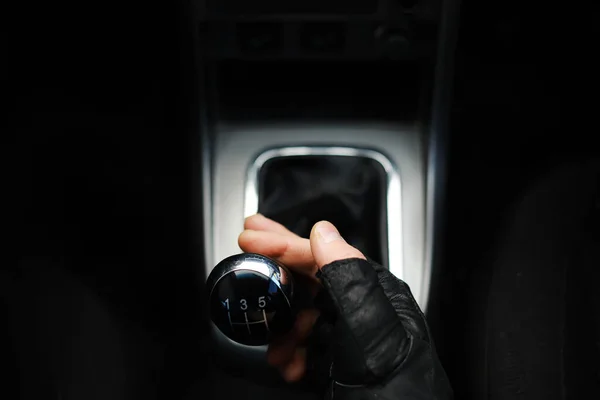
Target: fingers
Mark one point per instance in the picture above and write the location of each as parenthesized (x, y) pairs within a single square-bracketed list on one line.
[(282, 349), (292, 251), (267, 237), (327, 245), (294, 371), (259, 222), (300, 255), (287, 353)]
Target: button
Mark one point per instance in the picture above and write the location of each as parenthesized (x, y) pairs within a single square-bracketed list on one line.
[(260, 38), (323, 37)]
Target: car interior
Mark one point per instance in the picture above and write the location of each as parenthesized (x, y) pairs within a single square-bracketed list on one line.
[(453, 142)]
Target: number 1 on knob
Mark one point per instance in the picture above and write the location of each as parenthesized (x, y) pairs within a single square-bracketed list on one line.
[(226, 304)]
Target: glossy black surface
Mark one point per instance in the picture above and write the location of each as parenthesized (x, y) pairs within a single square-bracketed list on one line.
[(250, 299)]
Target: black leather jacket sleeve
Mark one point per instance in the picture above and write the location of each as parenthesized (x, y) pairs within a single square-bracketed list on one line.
[(373, 338)]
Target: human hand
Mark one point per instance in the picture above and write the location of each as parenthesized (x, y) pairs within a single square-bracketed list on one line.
[(374, 328), (264, 236)]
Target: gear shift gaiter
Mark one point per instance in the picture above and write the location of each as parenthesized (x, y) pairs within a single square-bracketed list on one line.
[(350, 192)]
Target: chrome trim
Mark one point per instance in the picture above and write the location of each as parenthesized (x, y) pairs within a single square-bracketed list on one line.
[(237, 145), (394, 258), (207, 196), (255, 263)]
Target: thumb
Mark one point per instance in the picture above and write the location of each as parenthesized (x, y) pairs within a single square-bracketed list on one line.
[(327, 245), (370, 339)]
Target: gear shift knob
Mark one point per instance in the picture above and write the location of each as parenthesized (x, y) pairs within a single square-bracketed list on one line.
[(250, 298)]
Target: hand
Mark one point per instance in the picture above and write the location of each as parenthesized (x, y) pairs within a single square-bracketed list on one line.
[(378, 342), (303, 257)]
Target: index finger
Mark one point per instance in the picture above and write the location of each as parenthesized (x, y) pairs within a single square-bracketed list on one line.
[(259, 222), (292, 251)]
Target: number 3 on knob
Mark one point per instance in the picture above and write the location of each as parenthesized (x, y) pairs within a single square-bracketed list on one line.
[(243, 304)]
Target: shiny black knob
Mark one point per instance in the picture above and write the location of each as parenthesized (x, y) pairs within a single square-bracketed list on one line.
[(250, 298)]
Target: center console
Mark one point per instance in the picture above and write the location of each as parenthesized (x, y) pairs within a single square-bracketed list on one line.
[(326, 110)]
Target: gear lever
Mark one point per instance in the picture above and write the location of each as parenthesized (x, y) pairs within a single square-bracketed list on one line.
[(250, 300)]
